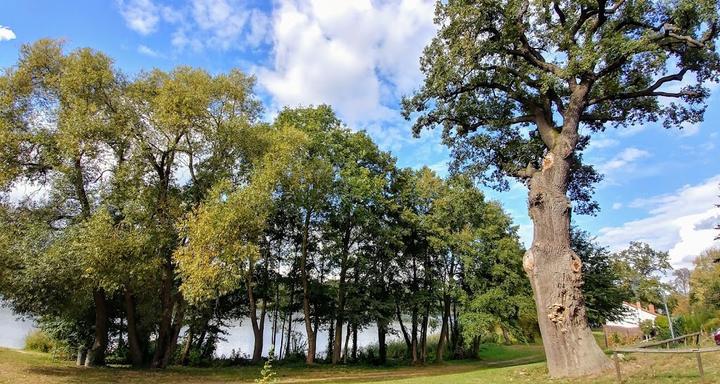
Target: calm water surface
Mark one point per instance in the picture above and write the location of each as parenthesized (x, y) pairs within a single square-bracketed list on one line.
[(239, 338)]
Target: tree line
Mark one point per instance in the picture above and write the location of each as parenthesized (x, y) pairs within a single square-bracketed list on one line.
[(164, 207)]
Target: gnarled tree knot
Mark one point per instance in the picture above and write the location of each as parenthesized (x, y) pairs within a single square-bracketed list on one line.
[(556, 313)]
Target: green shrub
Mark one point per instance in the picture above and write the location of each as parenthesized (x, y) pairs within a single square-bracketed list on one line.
[(39, 341)]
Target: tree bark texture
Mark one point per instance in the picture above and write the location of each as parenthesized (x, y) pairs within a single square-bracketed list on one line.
[(555, 270)]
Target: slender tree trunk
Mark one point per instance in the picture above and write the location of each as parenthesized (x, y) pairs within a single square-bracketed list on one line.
[(331, 338), (337, 345), (414, 335), (134, 348), (553, 267), (382, 347), (311, 336), (406, 336), (282, 338), (203, 333), (355, 339), (456, 336), (423, 340), (96, 354), (276, 309), (347, 343), (444, 329), (185, 355), (289, 334), (256, 326), (475, 347)]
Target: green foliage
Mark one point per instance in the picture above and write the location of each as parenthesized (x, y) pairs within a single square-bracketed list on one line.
[(647, 327), (487, 77), (603, 293), (705, 280), (639, 268), (268, 374), (39, 341)]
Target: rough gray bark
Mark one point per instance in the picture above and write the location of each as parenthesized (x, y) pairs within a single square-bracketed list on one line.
[(555, 271)]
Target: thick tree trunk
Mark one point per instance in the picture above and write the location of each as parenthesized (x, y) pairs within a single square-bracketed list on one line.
[(134, 348), (96, 354), (165, 326), (555, 273), (174, 331)]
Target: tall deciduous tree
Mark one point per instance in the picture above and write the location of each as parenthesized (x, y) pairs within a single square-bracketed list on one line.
[(513, 81), (640, 268), (60, 118)]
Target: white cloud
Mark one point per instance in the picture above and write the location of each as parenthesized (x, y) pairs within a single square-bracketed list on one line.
[(6, 33), (675, 222), (623, 159), (147, 51), (601, 143), (617, 205), (200, 24), (141, 16), (352, 54)]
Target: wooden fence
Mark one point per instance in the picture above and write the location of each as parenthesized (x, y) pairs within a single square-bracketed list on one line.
[(645, 348)]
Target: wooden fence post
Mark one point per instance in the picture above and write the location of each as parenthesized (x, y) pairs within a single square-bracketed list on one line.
[(700, 367), (617, 367)]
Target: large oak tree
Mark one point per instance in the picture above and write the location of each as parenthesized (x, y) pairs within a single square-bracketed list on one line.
[(517, 85)]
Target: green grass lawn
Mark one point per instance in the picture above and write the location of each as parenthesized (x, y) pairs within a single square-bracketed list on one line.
[(497, 364)]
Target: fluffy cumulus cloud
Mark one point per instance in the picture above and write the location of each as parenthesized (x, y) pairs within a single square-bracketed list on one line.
[(199, 24), (6, 33), (681, 222), (141, 16), (357, 55)]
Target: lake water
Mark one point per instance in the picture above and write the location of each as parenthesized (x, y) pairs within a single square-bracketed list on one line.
[(12, 329), (239, 337)]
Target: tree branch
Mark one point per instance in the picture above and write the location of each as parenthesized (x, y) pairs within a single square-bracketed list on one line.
[(649, 91)]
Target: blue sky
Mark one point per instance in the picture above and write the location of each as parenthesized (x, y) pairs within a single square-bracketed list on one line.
[(361, 56)]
